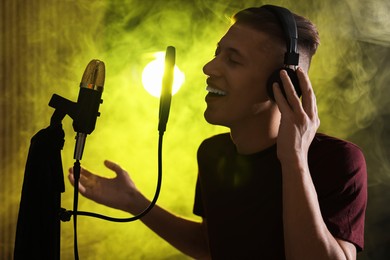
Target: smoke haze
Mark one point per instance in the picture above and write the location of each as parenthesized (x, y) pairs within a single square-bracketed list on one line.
[(45, 46)]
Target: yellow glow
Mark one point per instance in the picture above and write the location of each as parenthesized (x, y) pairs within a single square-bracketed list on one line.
[(120, 33), (153, 73)]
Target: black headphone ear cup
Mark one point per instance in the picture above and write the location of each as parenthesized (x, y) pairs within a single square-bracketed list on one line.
[(275, 77)]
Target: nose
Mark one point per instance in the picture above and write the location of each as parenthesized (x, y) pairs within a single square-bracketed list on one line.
[(210, 68)]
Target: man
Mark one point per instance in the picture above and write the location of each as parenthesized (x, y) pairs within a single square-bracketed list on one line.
[(272, 188)]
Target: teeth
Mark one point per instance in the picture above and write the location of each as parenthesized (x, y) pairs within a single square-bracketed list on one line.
[(215, 91)]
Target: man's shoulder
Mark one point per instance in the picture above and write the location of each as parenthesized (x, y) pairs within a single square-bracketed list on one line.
[(328, 144), (215, 144), (223, 138), (333, 152)]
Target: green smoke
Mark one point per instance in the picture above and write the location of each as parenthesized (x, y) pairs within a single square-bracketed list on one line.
[(59, 38)]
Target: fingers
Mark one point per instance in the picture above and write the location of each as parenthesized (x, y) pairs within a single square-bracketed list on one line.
[(82, 189), (289, 88), (279, 98), (289, 103), (90, 182), (114, 167), (308, 105), (84, 173), (111, 165), (309, 101)]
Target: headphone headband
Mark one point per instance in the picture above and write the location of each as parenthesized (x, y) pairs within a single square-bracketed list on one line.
[(290, 30)]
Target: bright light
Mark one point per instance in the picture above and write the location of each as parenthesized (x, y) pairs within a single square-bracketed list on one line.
[(153, 73)]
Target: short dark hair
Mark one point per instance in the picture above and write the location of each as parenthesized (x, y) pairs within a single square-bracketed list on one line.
[(265, 21)]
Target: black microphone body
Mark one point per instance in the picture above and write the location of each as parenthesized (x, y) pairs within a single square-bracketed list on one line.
[(89, 99), (88, 102), (86, 110), (166, 91)]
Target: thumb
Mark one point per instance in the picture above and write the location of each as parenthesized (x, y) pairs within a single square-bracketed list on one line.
[(114, 167)]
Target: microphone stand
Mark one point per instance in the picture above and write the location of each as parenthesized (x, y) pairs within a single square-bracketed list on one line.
[(40, 212), (68, 107), (38, 230), (28, 242)]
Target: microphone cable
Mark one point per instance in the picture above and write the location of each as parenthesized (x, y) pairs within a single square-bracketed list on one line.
[(65, 215), (76, 213), (165, 103)]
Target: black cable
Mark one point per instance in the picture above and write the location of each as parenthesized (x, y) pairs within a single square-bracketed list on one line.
[(165, 102), (76, 174), (151, 205), (75, 213)]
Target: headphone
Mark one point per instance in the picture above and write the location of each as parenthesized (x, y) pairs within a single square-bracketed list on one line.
[(291, 57)]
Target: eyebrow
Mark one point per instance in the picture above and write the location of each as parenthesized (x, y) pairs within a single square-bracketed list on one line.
[(232, 50)]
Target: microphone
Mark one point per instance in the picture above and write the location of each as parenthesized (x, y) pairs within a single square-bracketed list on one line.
[(85, 112), (89, 99), (166, 91)]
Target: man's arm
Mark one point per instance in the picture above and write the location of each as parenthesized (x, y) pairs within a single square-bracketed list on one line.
[(306, 235), (121, 193), (187, 236)]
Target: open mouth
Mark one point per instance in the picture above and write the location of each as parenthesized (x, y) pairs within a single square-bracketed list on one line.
[(215, 92)]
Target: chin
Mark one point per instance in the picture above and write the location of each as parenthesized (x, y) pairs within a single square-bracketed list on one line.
[(212, 119), (207, 117)]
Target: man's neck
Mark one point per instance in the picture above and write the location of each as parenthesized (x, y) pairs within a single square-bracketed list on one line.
[(255, 136)]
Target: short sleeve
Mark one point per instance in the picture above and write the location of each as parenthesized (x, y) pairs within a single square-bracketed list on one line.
[(198, 207), (342, 192)]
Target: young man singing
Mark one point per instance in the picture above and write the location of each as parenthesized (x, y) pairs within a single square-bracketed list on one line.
[(272, 188)]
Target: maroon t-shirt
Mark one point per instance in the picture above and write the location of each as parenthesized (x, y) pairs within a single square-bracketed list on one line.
[(240, 196)]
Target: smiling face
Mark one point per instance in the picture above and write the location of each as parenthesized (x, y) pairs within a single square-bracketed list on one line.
[(237, 77)]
